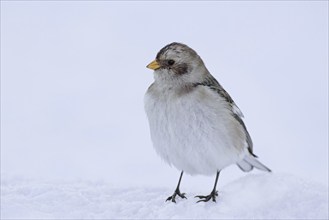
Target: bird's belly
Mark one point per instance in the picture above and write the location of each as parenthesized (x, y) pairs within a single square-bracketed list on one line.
[(192, 137)]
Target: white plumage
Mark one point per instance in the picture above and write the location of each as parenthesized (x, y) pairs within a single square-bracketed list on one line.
[(195, 125), (194, 133)]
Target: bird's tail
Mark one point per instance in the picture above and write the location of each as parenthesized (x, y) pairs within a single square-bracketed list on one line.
[(249, 162)]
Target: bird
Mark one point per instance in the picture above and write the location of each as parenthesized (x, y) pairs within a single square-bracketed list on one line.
[(194, 123)]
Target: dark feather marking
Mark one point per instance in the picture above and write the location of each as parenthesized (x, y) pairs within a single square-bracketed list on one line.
[(167, 47), (213, 84), (177, 68), (180, 69)]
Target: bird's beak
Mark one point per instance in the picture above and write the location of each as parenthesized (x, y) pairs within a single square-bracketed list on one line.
[(153, 65)]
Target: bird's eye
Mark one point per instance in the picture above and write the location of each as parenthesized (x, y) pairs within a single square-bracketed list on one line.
[(171, 62)]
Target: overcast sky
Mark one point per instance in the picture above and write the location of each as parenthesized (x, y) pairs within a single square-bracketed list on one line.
[(73, 79)]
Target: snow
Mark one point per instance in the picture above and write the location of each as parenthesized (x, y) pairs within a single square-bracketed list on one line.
[(255, 196)]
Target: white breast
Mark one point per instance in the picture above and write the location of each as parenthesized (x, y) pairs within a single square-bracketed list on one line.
[(195, 131)]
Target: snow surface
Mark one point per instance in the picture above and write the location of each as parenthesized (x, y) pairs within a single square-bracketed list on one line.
[(255, 196)]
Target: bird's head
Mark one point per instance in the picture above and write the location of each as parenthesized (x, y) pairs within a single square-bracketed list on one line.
[(177, 63)]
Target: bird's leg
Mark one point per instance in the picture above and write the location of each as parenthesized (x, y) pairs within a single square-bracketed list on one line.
[(177, 191), (213, 193)]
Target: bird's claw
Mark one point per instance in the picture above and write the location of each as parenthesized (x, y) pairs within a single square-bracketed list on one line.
[(212, 196), (173, 197)]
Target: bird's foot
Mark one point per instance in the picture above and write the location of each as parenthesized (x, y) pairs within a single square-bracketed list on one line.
[(173, 197), (212, 196)]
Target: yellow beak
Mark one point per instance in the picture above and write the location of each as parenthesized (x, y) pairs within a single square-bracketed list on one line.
[(153, 65)]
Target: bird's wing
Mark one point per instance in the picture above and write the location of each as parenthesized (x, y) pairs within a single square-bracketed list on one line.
[(214, 85)]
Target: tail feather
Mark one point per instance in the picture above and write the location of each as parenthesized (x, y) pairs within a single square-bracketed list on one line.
[(249, 162), (244, 166)]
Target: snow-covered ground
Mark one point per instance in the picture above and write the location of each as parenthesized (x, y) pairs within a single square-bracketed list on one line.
[(255, 196)]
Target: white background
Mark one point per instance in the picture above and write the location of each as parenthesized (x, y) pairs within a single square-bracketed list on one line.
[(73, 78)]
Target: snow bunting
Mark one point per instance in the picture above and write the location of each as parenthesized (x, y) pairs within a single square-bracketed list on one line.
[(195, 124)]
